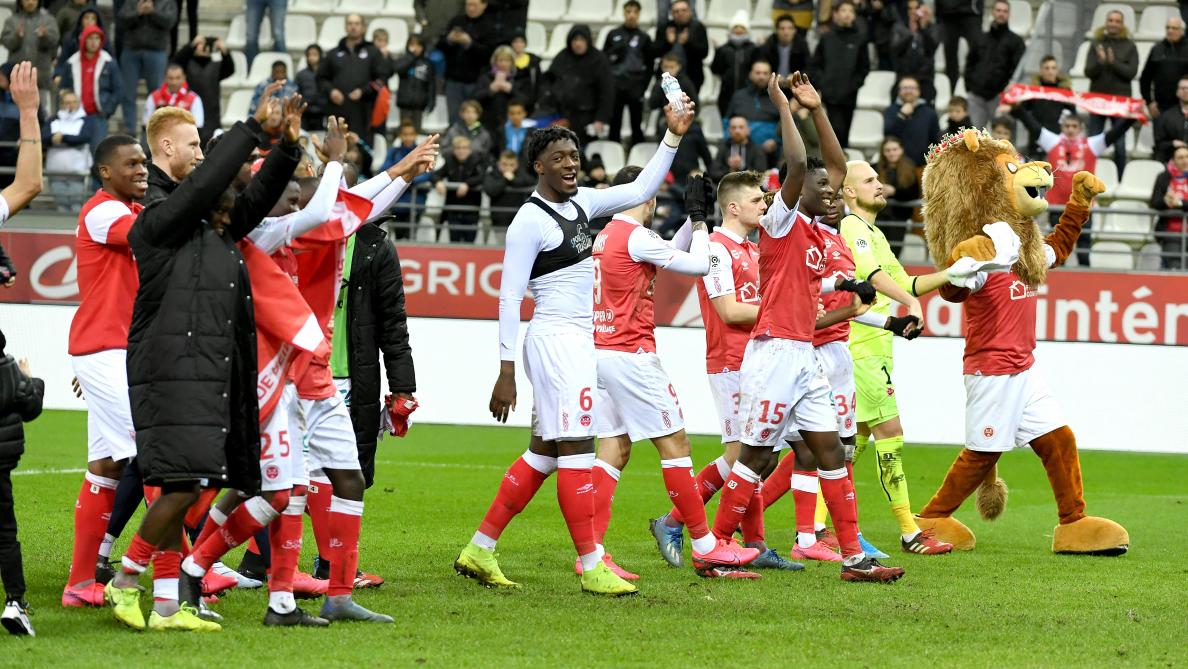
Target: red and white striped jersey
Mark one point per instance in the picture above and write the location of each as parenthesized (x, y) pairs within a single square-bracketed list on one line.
[(839, 262), (107, 279), (734, 268), (791, 262), (1000, 326)]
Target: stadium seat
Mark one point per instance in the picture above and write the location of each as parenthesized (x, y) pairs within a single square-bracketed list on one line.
[(876, 91), (437, 120), (558, 40), (239, 78), (1078, 66), (854, 154), (237, 33), (300, 31), (397, 32), (721, 11), (710, 88), (913, 250), (602, 35), (400, 8), (379, 151), (613, 156), (592, 11), (647, 14), (1153, 23), (550, 11), (236, 108), (711, 122), (713, 149), (641, 153), (1144, 50), (761, 16), (1144, 146), (367, 8), (866, 131), (1020, 21), (538, 40), (1080, 83), (1111, 255), (943, 93), (1107, 171), (1148, 258), (319, 7), (332, 31), (1128, 17), (262, 66), (1137, 180), (1129, 228)]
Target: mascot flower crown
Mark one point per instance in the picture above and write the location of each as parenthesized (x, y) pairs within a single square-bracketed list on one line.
[(970, 180)]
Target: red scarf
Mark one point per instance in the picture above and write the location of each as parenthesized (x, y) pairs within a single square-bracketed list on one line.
[(1098, 104), (183, 98), (1178, 184), (1069, 156)]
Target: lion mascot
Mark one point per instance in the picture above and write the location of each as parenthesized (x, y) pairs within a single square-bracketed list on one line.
[(972, 185)]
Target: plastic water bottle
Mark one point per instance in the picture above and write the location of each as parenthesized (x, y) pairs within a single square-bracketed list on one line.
[(672, 90)]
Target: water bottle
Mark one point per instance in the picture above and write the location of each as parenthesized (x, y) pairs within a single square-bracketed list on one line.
[(672, 90)]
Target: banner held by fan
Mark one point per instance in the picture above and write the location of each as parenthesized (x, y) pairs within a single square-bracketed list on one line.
[(1097, 104)]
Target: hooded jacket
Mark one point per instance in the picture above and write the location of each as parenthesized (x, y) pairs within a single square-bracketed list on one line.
[(20, 402), (732, 64), (1112, 77), (29, 46), (992, 61), (581, 87), (203, 75), (71, 42), (106, 80)]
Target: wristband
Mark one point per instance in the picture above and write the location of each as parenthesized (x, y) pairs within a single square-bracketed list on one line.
[(671, 139), (914, 293)]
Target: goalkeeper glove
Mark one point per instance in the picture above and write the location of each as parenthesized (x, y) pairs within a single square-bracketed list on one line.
[(862, 289)]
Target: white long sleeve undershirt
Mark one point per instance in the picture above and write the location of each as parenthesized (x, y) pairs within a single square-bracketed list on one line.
[(276, 232)]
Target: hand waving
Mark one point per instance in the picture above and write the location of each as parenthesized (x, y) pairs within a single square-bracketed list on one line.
[(418, 161), (23, 86), (803, 91), (775, 92), (267, 101), (679, 122), (294, 108), (334, 146)]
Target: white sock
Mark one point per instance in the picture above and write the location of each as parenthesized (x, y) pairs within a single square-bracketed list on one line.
[(190, 567), (165, 588), (818, 526), (805, 539), (591, 560), (483, 541), (281, 602), (105, 546), (854, 559), (909, 537), (704, 544)]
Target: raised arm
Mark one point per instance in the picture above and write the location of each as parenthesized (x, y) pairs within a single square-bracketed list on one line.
[(27, 184), (260, 196), (281, 231), (831, 149), (795, 156)]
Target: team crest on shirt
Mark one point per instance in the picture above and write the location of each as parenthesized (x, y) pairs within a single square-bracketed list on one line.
[(988, 432), (814, 258), (585, 420), (849, 422), (765, 434), (271, 472), (1021, 291)]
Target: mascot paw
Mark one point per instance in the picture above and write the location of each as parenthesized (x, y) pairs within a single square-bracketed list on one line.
[(1091, 536), (992, 496), (1085, 187), (949, 530), (979, 247)]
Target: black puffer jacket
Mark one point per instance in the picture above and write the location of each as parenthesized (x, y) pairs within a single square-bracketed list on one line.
[(992, 61), (581, 86), (192, 342), (1166, 63), (21, 397), (377, 324), (840, 65)]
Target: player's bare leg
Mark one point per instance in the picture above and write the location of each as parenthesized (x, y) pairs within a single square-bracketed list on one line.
[(613, 454), (96, 498)]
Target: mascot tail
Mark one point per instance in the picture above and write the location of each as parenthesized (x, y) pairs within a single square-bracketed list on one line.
[(992, 495)]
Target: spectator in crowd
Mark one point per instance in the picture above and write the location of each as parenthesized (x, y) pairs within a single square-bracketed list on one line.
[(913, 48), (593, 173), (958, 19), (92, 63), (280, 72), (417, 93), (581, 87), (511, 17), (1170, 198), (31, 34), (1111, 67), (958, 115), (753, 103), (191, 19), (991, 62), (145, 26), (433, 16), (732, 60), (67, 139), (840, 65), (498, 85), (470, 126), (912, 120), (628, 49), (468, 41), (1003, 128), (669, 64), (1047, 112), (67, 18), (71, 39), (877, 20), (204, 75), (352, 73), (464, 169), (516, 128), (175, 92), (685, 35), (506, 185), (381, 39), (801, 12), (412, 200), (528, 66), (737, 153), (254, 17), (315, 92), (1171, 128), (901, 184), (1167, 62), (786, 49)]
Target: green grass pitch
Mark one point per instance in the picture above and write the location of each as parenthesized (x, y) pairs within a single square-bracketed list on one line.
[(1009, 603)]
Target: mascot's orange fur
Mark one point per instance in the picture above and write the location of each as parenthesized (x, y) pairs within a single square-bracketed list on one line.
[(972, 180)]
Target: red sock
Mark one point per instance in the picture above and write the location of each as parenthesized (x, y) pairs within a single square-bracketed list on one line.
[(605, 481), (92, 510), (214, 520), (685, 494), (852, 492), (752, 521), (804, 494), (519, 486), (346, 517), (285, 538), (709, 482), (136, 558), (841, 509), (780, 481), (317, 505), (736, 497), (166, 569), (575, 496), (201, 507), (244, 521)]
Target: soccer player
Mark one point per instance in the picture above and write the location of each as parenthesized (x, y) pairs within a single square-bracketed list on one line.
[(636, 399), (548, 249), (781, 382), (871, 348), (107, 281)]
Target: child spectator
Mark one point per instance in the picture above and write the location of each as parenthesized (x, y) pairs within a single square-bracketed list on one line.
[(279, 72), (68, 158), (413, 198), (517, 127), (507, 186), (958, 114), (498, 85), (670, 63), (380, 39), (464, 167), (1003, 128), (20, 402), (469, 126), (417, 93), (316, 93)]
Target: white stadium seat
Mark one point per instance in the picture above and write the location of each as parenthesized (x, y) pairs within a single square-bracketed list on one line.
[(300, 31), (592, 11), (1153, 24), (239, 78), (332, 31), (236, 108), (1020, 21), (549, 11), (366, 8), (1144, 146), (711, 122), (558, 41), (1111, 255), (437, 120), (397, 32), (1078, 66), (721, 11), (613, 156), (401, 8), (1104, 8), (876, 90), (641, 153), (1144, 50), (1138, 179), (237, 33), (1129, 228), (761, 16), (537, 38), (262, 66), (866, 131), (1107, 171), (320, 7)]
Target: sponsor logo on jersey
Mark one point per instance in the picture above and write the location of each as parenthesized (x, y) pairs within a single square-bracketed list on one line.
[(988, 432), (814, 259), (586, 489), (1021, 291)]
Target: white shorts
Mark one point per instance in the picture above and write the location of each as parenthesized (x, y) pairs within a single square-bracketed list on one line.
[(103, 377), (838, 368), (328, 434), (782, 384), (635, 397), (1002, 412), (343, 386), (724, 386), (281, 463), (563, 371)]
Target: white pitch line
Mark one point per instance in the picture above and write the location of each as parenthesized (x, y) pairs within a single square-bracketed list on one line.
[(41, 472)]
